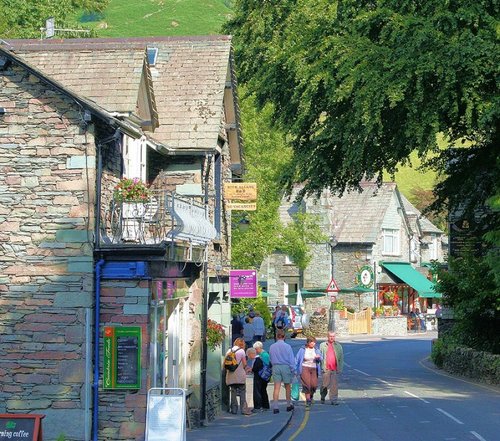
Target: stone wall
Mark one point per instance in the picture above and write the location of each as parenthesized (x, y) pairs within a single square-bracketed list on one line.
[(47, 167), (122, 413), (389, 326)]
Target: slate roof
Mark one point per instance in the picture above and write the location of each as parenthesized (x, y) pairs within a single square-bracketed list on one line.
[(425, 225), (96, 75), (189, 79), (357, 217)]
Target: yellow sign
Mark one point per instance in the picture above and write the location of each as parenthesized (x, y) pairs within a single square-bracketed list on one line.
[(250, 206), (240, 191)]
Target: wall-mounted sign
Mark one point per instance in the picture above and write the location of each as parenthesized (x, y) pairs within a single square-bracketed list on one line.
[(364, 277), (122, 357), (240, 191), (243, 283), (26, 427), (248, 206)]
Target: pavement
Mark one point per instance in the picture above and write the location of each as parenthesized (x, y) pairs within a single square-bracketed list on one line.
[(266, 426)]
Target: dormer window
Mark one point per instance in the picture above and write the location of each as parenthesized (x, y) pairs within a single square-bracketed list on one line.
[(152, 55)]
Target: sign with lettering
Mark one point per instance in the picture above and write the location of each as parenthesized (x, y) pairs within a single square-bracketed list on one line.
[(240, 191), (243, 283), (242, 206), (122, 357), (26, 427)]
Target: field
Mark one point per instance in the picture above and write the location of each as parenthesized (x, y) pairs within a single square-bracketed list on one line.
[(144, 18)]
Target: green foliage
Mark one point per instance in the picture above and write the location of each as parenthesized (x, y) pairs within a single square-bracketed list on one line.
[(23, 19), (360, 85), (471, 289)]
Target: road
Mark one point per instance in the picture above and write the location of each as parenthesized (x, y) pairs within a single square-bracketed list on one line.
[(390, 392)]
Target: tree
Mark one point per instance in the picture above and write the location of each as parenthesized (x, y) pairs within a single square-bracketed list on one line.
[(267, 156), (23, 19), (359, 85)]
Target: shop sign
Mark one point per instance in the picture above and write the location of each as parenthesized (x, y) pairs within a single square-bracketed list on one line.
[(26, 427), (242, 206), (364, 277), (122, 357), (240, 191), (243, 283)]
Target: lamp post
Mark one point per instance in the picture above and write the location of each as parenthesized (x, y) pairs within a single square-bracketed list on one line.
[(332, 243)]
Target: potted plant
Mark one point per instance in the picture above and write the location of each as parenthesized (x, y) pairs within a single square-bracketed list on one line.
[(215, 334), (378, 311)]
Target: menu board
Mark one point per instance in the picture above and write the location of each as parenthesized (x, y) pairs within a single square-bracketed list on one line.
[(122, 357), (127, 363)]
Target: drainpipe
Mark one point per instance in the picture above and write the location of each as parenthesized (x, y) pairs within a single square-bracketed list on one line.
[(95, 385), (204, 311)]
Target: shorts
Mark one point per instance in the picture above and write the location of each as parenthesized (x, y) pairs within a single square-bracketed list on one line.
[(282, 373)]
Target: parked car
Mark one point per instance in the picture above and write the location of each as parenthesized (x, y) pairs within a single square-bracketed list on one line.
[(298, 319)]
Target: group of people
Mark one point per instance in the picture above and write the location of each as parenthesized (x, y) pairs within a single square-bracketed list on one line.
[(307, 366), (251, 328)]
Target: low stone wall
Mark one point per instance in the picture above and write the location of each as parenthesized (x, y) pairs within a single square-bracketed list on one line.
[(390, 326), (467, 362)]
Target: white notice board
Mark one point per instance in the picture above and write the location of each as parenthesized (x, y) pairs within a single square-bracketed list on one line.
[(166, 414)]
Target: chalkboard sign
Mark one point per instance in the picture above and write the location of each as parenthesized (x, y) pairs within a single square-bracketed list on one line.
[(122, 357), (127, 364), (26, 427)]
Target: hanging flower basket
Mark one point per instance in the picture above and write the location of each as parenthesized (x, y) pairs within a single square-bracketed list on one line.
[(215, 334), (131, 190)]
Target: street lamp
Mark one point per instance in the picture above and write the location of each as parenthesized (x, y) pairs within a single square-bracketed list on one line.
[(332, 243)]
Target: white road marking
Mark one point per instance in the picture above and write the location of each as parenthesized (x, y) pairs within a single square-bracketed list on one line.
[(449, 416), (361, 372), (479, 437), (415, 396), (385, 382)]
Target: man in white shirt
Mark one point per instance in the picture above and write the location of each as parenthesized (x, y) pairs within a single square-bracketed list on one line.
[(258, 327)]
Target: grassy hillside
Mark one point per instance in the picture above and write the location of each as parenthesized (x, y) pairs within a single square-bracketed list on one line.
[(144, 18)]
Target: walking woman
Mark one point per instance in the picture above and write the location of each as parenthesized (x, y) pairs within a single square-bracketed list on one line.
[(307, 365)]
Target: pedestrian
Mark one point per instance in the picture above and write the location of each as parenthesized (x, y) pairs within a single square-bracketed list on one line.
[(248, 332), (259, 392), (259, 327), (236, 328), (332, 363), (260, 379), (307, 365), (237, 380), (281, 320), (283, 361), (273, 318)]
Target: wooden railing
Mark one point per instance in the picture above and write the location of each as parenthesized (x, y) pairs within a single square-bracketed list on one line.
[(360, 322)]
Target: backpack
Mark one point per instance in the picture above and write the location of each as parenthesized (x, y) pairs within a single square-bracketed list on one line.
[(230, 362), (280, 323), (265, 372)]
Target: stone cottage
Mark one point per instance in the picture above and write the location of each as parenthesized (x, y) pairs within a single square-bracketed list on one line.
[(104, 298), (369, 232)]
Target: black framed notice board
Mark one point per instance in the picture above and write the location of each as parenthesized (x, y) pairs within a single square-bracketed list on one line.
[(26, 427), (122, 357)]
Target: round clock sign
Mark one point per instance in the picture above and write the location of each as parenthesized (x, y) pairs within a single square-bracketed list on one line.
[(365, 276)]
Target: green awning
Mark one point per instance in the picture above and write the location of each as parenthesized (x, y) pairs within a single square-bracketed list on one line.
[(307, 294), (409, 275), (356, 290)]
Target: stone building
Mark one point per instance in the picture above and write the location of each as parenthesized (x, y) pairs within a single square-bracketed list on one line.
[(375, 236), (79, 266)]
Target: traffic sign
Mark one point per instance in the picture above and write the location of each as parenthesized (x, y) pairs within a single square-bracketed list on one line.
[(332, 286)]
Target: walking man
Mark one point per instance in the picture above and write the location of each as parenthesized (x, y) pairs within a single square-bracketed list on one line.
[(332, 363), (283, 362), (258, 327)]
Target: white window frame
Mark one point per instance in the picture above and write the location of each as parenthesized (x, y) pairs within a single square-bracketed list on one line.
[(391, 243), (134, 158), (433, 247)]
